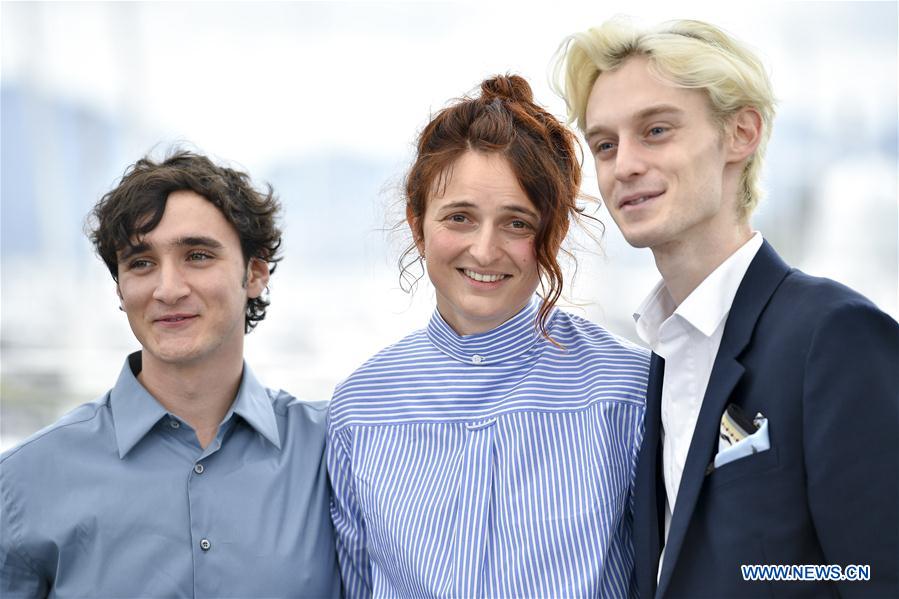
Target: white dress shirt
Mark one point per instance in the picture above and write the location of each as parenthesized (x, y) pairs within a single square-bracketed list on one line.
[(687, 337)]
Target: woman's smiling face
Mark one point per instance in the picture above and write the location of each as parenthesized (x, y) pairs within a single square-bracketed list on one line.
[(478, 243)]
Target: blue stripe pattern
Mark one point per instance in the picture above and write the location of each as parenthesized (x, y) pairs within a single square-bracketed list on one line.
[(489, 465)]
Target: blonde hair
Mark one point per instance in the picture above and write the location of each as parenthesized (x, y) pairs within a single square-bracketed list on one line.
[(688, 54)]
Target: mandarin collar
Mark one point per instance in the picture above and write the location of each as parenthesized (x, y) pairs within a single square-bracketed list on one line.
[(135, 412), (509, 340)]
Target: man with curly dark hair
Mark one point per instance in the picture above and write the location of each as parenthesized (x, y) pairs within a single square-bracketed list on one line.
[(187, 478)]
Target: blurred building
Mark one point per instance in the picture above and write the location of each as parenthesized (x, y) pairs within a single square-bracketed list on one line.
[(324, 100)]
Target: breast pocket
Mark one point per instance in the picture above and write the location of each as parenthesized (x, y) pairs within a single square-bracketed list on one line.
[(743, 468)]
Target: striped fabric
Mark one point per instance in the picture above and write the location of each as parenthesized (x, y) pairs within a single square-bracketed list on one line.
[(491, 465)]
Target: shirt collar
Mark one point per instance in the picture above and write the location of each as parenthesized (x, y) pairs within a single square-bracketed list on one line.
[(707, 306), (135, 412), (510, 339), (653, 311), (254, 405), (710, 302)]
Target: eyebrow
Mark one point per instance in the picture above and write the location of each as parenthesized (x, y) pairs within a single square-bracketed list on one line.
[(181, 242), (646, 113), (507, 207)]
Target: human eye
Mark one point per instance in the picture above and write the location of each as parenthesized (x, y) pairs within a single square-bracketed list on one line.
[(520, 226), (199, 256), (602, 149), (138, 264), (457, 218), (657, 131)]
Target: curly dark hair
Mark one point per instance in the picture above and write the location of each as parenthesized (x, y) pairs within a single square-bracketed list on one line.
[(542, 152), (136, 206)]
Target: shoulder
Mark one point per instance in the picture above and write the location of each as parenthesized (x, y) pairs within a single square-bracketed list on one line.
[(74, 429), (396, 381), (404, 356), (816, 304), (407, 350), (603, 364), (820, 291), (399, 364), (580, 334), (817, 326), (306, 418)]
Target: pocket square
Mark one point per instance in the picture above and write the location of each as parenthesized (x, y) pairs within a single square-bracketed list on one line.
[(740, 437), (735, 426)]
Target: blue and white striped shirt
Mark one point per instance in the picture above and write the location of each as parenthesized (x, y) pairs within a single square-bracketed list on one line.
[(495, 464)]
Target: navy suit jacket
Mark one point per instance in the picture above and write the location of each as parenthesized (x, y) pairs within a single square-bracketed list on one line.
[(820, 362)]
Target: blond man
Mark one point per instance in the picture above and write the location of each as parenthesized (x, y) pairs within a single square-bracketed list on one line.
[(772, 409)]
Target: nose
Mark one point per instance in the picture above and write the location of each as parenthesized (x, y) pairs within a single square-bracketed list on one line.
[(171, 285), (629, 160), (485, 245)]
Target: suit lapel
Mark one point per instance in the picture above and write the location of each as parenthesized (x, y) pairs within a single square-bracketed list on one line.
[(765, 273), (647, 534)]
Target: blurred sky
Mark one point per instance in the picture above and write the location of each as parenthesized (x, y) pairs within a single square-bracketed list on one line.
[(324, 100)]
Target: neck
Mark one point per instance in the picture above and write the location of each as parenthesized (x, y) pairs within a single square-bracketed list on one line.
[(684, 264), (197, 393)]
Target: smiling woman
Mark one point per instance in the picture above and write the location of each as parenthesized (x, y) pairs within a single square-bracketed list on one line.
[(532, 161), (491, 453), (478, 239)]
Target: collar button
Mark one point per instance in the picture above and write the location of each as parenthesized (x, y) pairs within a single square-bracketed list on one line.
[(478, 359)]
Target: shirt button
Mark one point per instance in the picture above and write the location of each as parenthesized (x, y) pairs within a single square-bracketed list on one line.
[(205, 545), (198, 468), (174, 423), (476, 359)]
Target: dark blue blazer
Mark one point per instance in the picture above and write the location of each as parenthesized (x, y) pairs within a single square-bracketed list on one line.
[(821, 362)]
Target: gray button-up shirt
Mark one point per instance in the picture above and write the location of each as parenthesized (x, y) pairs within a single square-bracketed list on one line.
[(118, 499)]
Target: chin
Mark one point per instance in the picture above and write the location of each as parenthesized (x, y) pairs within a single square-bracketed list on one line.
[(639, 239), (646, 234), (176, 355)]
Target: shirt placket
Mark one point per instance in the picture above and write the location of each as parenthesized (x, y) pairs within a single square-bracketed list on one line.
[(200, 495), (675, 348), (474, 507)]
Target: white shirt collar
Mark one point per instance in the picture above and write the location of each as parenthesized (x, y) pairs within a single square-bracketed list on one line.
[(707, 306)]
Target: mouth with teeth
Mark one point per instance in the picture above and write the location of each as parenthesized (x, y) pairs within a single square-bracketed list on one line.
[(175, 320), (639, 200), (483, 278)]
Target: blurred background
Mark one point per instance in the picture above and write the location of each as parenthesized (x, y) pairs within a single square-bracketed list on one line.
[(324, 101)]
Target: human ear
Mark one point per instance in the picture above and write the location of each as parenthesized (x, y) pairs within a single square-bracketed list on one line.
[(257, 277), (414, 222), (745, 133)]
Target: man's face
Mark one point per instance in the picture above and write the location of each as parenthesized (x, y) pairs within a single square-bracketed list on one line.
[(662, 164), (185, 289)]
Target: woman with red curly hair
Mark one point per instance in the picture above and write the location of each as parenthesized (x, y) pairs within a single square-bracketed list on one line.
[(491, 453)]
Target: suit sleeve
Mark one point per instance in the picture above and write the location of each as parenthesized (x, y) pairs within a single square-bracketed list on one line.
[(349, 525), (851, 428)]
